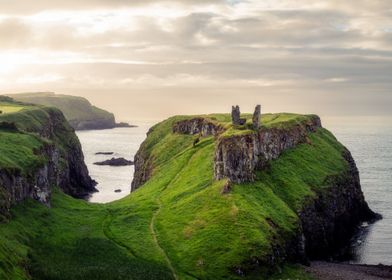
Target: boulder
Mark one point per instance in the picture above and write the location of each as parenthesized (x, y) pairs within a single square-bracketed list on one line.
[(115, 162)]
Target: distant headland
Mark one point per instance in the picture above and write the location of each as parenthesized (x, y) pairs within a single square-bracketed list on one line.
[(79, 112)]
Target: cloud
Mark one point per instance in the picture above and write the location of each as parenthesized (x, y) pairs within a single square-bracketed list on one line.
[(275, 45), (30, 7)]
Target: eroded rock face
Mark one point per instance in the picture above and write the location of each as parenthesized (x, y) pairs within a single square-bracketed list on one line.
[(143, 168), (201, 126), (238, 157), (74, 176), (330, 220), (37, 185), (63, 167), (93, 124)]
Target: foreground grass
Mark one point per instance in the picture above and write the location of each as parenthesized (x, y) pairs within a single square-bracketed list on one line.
[(178, 225), (72, 240)]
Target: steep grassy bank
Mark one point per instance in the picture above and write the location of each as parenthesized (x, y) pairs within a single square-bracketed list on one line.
[(179, 224)]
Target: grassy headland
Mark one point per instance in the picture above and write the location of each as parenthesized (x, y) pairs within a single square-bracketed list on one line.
[(77, 110), (178, 225)]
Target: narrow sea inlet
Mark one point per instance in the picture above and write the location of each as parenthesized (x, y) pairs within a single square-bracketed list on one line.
[(122, 142)]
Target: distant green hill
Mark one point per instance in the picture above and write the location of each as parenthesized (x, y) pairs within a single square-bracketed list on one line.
[(79, 112)]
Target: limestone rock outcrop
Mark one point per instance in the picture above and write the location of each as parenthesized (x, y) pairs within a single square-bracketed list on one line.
[(329, 221), (238, 157), (202, 126)]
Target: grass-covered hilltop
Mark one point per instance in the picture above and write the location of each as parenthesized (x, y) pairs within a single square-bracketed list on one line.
[(78, 110), (210, 200)]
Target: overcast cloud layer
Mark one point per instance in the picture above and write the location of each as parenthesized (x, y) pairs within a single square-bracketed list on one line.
[(329, 57)]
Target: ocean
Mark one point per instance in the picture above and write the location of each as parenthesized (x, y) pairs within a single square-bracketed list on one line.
[(371, 147), (122, 142), (370, 144)]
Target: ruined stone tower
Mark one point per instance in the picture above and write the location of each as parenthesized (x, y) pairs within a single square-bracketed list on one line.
[(235, 115), (237, 120), (256, 117)]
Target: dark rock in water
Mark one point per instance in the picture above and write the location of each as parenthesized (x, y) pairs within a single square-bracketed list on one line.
[(115, 162), (118, 190), (104, 153)]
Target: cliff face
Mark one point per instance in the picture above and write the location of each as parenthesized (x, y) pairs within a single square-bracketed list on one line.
[(16, 186), (103, 123), (238, 157), (74, 178), (62, 161), (329, 221), (143, 169), (201, 126)]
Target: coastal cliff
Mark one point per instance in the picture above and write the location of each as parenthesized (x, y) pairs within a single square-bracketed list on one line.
[(327, 214), (40, 152), (287, 192), (329, 220), (79, 112)]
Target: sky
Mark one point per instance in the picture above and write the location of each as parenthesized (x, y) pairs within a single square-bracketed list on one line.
[(147, 59)]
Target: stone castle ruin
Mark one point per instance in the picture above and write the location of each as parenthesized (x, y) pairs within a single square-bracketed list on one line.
[(237, 120)]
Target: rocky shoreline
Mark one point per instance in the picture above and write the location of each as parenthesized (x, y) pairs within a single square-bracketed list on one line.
[(345, 271)]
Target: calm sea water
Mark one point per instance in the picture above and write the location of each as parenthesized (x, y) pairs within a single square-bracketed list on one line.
[(123, 142), (371, 146)]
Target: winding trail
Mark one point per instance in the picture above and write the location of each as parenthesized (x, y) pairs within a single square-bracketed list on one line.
[(155, 238), (110, 235), (154, 216)]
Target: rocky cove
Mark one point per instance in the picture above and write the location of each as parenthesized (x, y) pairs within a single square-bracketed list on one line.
[(191, 159)]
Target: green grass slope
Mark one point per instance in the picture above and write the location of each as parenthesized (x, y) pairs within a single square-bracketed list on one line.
[(17, 147), (75, 109), (178, 225), (19, 144)]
